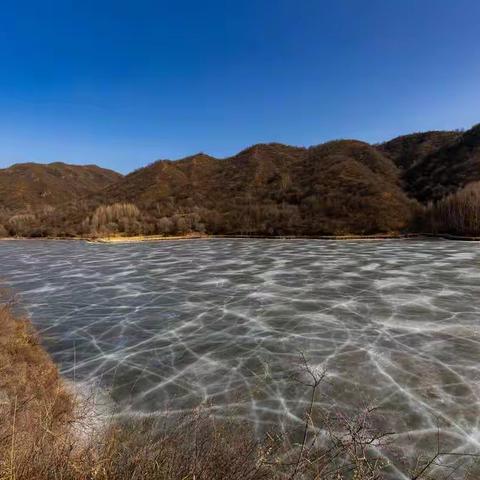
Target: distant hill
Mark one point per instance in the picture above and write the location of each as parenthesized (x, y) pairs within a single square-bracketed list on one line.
[(408, 150), (435, 164), (340, 187), (447, 169), (31, 186)]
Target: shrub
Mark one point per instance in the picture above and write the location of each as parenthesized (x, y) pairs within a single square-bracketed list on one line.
[(165, 226), (22, 225)]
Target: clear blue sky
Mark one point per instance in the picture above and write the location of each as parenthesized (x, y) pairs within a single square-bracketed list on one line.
[(121, 83)]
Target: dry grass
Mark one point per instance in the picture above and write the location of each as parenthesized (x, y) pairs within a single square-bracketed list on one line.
[(35, 406), (46, 434)]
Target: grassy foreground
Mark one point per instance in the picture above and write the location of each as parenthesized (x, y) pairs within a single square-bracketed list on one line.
[(47, 432)]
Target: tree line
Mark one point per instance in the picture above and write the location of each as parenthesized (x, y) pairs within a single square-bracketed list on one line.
[(457, 214)]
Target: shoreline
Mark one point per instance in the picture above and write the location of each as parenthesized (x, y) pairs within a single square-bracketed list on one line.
[(200, 236)]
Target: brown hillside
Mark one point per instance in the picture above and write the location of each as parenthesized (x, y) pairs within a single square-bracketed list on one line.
[(28, 187), (436, 164), (161, 181), (355, 189), (408, 150), (446, 170), (338, 187)]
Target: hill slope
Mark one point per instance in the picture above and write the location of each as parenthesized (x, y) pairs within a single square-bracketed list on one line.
[(339, 187), (30, 186), (448, 169), (435, 164), (408, 150)]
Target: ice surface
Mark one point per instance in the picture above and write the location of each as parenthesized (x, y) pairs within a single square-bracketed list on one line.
[(222, 322)]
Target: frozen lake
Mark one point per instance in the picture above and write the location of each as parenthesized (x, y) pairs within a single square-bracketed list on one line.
[(223, 322)]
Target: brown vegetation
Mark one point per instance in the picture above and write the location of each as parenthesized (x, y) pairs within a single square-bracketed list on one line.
[(35, 405), (458, 213), (409, 150), (448, 161), (30, 185), (34, 198), (111, 219), (341, 187), (337, 188)]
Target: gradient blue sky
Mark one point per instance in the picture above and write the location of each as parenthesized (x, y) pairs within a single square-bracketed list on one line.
[(122, 83)]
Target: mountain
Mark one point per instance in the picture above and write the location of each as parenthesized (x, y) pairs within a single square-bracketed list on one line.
[(408, 150), (338, 187), (29, 187), (436, 164), (446, 170)]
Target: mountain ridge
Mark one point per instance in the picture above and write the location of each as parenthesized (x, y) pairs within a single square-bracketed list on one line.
[(338, 187)]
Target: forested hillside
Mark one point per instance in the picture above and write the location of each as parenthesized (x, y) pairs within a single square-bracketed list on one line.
[(340, 187)]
